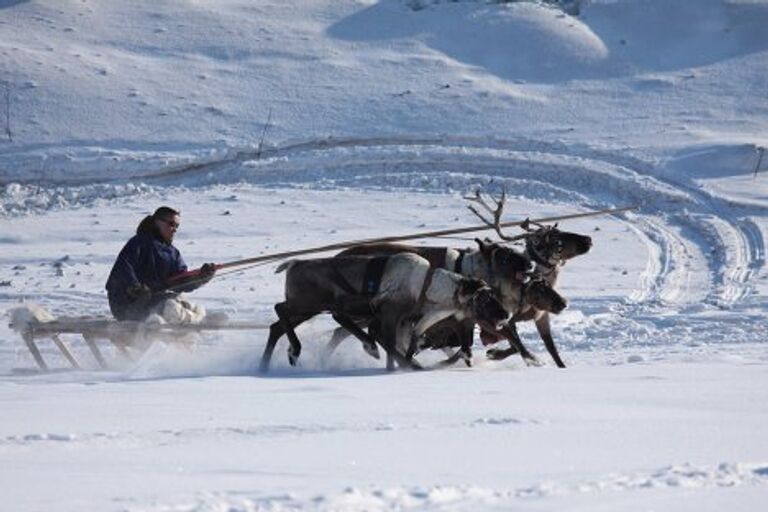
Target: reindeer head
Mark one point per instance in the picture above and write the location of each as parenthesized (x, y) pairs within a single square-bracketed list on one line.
[(539, 294), (479, 302), (553, 246), (504, 261), (546, 243)]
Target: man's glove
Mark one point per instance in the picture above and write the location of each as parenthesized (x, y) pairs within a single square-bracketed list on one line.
[(207, 271), (139, 292)]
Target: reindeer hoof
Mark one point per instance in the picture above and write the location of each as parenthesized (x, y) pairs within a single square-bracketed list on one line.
[(293, 356), (372, 350), (532, 362), (496, 354)]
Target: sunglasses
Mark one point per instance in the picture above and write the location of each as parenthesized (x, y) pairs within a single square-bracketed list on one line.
[(170, 223)]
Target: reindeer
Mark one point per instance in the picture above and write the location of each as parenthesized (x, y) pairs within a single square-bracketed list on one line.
[(408, 298), (502, 267), (534, 295), (547, 249)]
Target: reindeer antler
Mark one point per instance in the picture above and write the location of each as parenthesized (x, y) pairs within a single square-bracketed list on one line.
[(527, 223), (495, 211)]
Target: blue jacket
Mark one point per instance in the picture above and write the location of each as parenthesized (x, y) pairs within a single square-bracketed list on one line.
[(145, 259)]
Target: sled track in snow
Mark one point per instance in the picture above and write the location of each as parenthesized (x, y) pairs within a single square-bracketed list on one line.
[(692, 232), (700, 247)]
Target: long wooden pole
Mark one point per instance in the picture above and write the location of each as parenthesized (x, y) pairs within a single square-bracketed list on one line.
[(413, 236), (180, 280)]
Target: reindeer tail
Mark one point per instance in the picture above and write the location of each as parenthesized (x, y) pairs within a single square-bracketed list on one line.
[(285, 266)]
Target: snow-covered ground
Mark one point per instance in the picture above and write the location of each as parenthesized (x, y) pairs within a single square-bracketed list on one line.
[(383, 114)]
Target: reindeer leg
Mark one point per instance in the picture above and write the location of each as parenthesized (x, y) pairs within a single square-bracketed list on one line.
[(294, 349), (499, 354), (351, 327), (542, 325), (390, 325), (276, 330), (453, 356), (405, 332), (413, 343), (339, 335), (289, 321), (388, 339), (374, 333), (466, 334), (530, 359), (516, 346), (359, 307), (386, 326), (462, 336)]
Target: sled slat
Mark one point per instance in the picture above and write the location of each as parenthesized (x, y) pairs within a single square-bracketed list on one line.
[(121, 347), (30, 341), (91, 342), (64, 349)]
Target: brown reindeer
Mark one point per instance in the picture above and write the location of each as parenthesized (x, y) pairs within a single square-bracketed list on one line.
[(546, 246), (549, 249), (406, 299)]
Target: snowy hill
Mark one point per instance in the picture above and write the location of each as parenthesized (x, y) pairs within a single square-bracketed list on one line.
[(377, 116), (190, 76)]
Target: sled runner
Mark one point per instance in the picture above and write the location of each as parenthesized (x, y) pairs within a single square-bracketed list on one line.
[(130, 338)]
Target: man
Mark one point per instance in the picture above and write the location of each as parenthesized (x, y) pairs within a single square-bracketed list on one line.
[(139, 281)]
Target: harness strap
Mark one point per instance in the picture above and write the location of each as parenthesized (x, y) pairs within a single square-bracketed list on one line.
[(439, 258), (538, 258), (520, 305), (424, 288), (342, 281), (374, 271), (436, 257), (459, 261)]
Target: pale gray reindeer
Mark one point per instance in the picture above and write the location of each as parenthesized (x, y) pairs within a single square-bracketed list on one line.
[(504, 269), (407, 298), (534, 295)]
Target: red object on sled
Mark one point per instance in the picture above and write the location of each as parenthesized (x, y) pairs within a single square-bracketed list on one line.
[(189, 275)]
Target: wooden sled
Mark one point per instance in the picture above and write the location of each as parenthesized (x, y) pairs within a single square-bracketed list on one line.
[(130, 338)]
